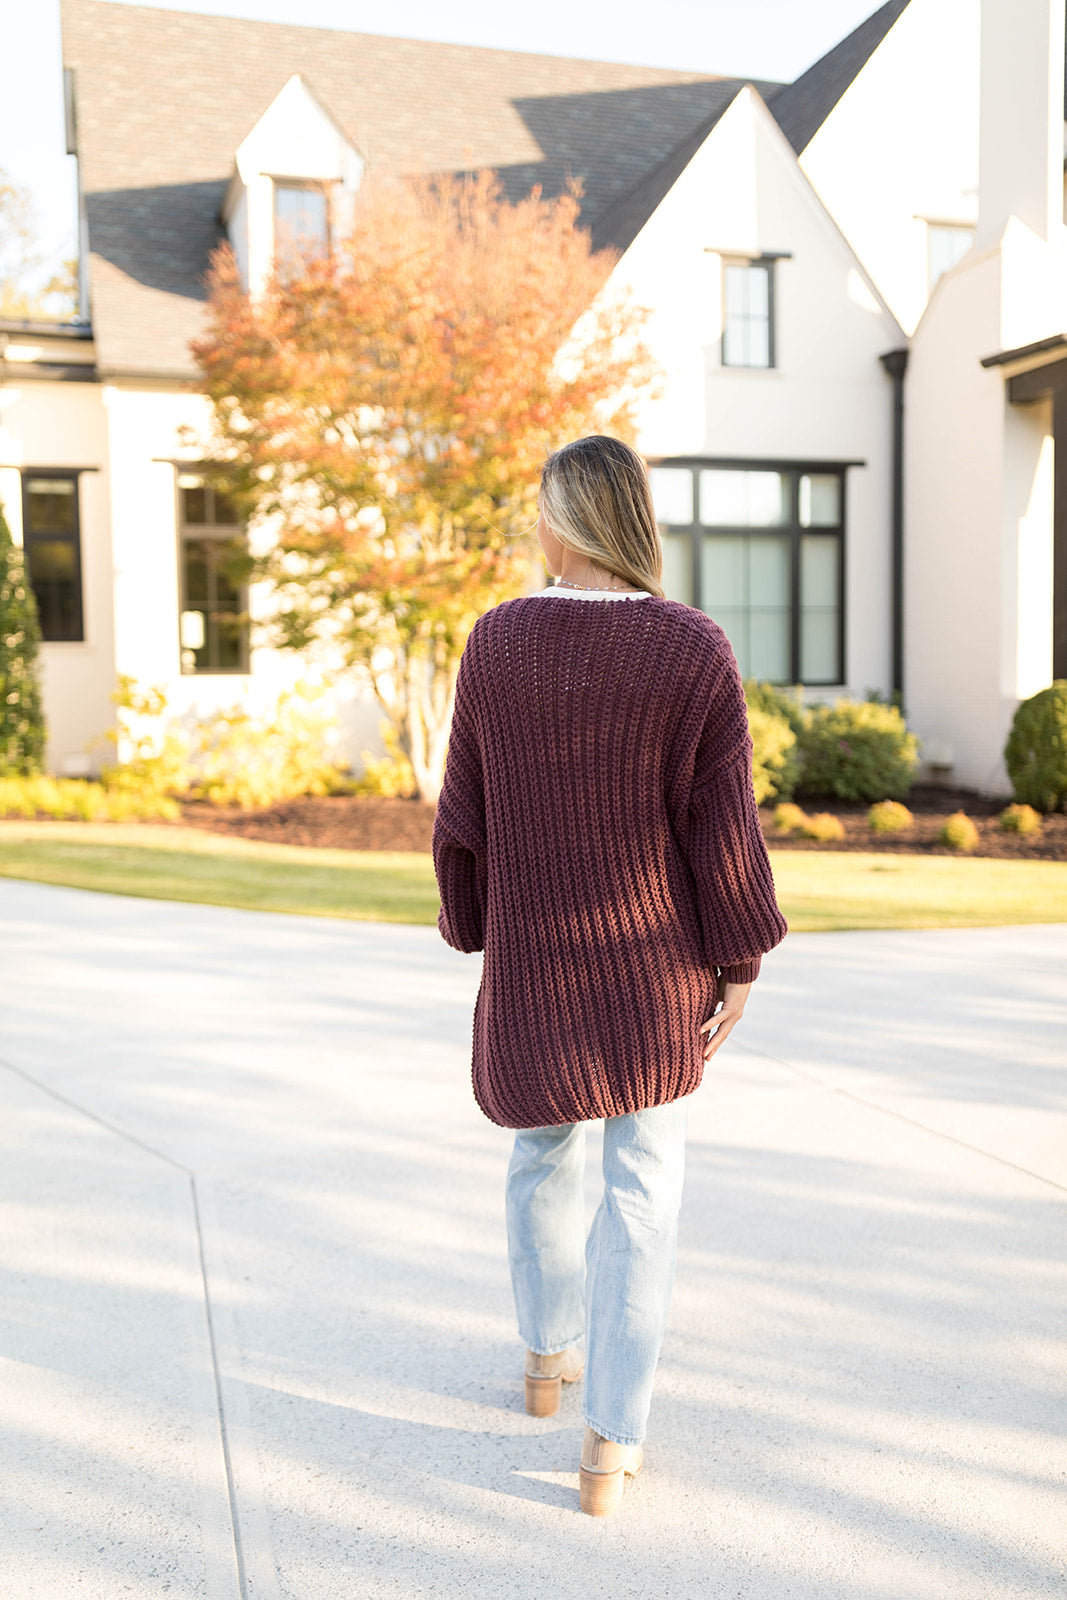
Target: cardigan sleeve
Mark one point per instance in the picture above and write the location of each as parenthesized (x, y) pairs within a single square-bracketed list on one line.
[(739, 916), (459, 833)]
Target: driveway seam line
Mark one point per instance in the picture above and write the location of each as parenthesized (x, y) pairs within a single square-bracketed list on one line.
[(179, 1166), (913, 1122)]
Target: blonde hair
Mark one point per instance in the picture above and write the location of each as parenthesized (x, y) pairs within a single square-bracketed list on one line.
[(596, 498)]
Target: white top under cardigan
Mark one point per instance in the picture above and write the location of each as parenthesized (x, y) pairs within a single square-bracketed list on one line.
[(598, 594)]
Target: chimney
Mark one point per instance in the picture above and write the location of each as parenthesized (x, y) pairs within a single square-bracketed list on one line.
[(1020, 164)]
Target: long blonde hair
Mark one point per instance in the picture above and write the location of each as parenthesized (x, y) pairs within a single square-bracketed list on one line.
[(597, 500)]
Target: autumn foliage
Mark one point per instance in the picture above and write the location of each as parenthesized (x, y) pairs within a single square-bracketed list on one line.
[(383, 412)]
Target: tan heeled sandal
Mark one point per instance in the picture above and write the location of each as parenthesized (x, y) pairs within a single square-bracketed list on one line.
[(545, 1377), (603, 1473)]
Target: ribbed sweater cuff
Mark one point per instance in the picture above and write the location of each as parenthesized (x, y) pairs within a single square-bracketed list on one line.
[(744, 972)]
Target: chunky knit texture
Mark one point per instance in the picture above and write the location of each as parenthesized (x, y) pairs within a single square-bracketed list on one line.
[(598, 837)]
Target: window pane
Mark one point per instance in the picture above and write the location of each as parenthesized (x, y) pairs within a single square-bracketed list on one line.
[(819, 569), (194, 503), (52, 568), (230, 638), (672, 494), (746, 339), (678, 567), (769, 574), (743, 499), (225, 511), (213, 630), (769, 645), (300, 218), (723, 575), (759, 344), (735, 287), (820, 500), (51, 506), (818, 647), (758, 300), (723, 499), (735, 626)]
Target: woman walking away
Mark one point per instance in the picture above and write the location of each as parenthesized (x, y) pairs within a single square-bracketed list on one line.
[(598, 837)]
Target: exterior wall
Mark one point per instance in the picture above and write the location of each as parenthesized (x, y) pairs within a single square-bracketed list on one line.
[(978, 474), (127, 436), (53, 424), (901, 146), (143, 427), (827, 399)]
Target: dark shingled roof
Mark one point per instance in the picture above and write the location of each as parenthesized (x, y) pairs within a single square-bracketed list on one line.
[(164, 98), (801, 108)]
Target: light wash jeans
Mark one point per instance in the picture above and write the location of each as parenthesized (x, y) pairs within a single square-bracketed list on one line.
[(616, 1287)]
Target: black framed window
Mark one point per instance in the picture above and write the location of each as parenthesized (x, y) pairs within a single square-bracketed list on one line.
[(301, 223), (761, 548), (748, 313), (51, 536), (213, 625)]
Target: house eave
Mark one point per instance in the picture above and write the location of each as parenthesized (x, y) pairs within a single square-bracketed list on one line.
[(1029, 355)]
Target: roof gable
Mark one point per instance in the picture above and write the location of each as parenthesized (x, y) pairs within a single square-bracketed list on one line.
[(801, 108), (157, 147)]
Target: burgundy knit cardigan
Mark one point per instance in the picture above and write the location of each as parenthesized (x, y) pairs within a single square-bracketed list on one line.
[(598, 837)]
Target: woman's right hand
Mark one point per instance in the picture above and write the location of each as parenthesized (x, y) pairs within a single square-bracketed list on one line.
[(726, 1018)]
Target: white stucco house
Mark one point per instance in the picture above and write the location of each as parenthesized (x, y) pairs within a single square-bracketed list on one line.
[(858, 295)]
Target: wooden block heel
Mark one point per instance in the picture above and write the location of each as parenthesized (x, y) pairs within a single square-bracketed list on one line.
[(604, 1469), (542, 1396), (600, 1493)]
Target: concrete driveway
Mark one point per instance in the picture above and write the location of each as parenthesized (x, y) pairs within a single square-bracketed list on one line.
[(256, 1336)]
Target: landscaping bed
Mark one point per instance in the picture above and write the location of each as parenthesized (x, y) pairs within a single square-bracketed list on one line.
[(364, 822)]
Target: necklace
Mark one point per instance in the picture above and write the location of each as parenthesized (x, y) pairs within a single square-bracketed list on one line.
[(568, 583)]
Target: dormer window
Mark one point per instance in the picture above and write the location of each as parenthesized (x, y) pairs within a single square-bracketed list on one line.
[(301, 221)]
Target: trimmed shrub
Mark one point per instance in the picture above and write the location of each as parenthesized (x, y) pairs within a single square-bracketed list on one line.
[(1036, 752), (789, 818), (889, 816), (773, 741), (776, 701), (251, 762), (1020, 819), (775, 763), (856, 750), (22, 730), (824, 827), (959, 833), (78, 800)]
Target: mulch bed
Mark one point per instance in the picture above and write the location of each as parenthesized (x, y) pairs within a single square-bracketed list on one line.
[(363, 822)]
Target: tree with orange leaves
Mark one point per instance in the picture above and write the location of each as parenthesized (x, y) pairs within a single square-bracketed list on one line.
[(382, 413)]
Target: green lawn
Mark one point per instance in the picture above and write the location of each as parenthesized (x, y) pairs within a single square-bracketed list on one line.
[(818, 891)]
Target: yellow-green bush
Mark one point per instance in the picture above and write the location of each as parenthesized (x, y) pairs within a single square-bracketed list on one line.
[(79, 800), (249, 761), (889, 816), (1020, 819), (772, 744), (959, 833), (389, 775), (789, 818), (155, 752), (775, 717), (824, 827)]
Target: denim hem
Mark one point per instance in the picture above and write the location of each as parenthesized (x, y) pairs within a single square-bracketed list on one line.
[(606, 1433), (554, 1349)]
